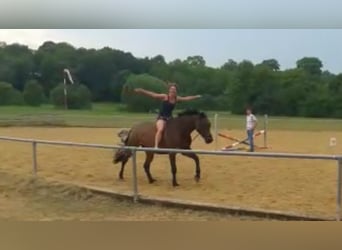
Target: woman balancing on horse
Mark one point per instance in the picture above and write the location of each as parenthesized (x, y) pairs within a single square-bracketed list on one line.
[(168, 104)]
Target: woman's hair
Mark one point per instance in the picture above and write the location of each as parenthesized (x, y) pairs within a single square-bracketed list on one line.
[(171, 84)]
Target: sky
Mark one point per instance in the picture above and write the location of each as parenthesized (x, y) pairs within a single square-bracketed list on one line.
[(172, 13), (215, 45), (286, 30)]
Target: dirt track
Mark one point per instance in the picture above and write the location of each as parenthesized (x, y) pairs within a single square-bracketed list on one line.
[(291, 185), (28, 199)]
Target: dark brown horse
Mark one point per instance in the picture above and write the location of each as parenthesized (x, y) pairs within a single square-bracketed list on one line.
[(177, 134)]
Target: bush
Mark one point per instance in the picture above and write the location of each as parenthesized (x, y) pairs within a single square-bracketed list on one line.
[(78, 96), (138, 102), (222, 103), (33, 93), (16, 97), (9, 95)]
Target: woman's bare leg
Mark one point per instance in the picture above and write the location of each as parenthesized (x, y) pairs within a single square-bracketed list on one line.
[(160, 127)]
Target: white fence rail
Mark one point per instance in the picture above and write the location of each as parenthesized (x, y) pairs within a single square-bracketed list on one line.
[(337, 158)]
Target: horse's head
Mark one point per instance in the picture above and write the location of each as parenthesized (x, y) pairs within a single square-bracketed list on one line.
[(203, 127), (202, 124)]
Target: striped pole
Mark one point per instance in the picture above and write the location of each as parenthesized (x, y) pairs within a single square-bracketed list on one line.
[(65, 96), (66, 73)]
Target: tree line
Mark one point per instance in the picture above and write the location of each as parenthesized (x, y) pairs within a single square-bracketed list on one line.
[(108, 75)]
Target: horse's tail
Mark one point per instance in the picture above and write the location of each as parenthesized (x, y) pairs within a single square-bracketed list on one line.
[(121, 154)]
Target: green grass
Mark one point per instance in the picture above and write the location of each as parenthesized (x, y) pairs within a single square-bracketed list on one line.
[(98, 108), (112, 115)]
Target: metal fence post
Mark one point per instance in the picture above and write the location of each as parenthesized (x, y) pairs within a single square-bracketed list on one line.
[(215, 127), (338, 193), (135, 179), (34, 157), (265, 129)]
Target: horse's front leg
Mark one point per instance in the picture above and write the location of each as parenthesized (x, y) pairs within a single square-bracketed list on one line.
[(172, 157), (196, 159)]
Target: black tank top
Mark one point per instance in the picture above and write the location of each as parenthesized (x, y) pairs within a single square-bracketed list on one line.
[(166, 108)]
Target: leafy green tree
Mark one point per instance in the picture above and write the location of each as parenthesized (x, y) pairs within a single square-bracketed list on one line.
[(78, 96), (137, 102), (33, 93), (195, 61), (9, 95), (311, 65), (272, 64), (105, 73), (230, 65)]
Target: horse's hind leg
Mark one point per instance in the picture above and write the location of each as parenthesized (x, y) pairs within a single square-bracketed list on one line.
[(196, 159), (147, 164), (172, 158), (123, 163)]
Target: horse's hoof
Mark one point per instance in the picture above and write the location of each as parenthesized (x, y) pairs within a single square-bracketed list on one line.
[(197, 178), (121, 179), (175, 184), (152, 181)]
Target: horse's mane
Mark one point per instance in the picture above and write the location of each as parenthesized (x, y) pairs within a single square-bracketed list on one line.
[(189, 112)]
